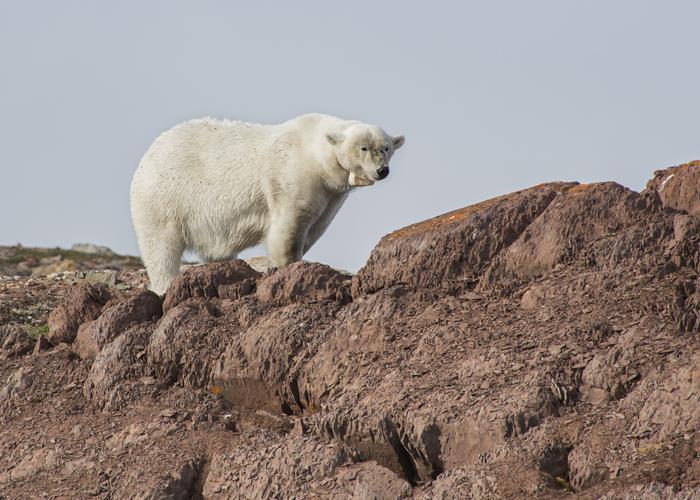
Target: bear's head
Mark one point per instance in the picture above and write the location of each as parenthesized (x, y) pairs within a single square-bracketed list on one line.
[(365, 151)]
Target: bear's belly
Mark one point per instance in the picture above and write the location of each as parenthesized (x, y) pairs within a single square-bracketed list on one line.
[(226, 235)]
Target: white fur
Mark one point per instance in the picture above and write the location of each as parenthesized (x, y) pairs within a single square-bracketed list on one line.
[(218, 187)]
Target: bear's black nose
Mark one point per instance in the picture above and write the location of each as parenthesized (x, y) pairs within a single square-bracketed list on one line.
[(383, 172)]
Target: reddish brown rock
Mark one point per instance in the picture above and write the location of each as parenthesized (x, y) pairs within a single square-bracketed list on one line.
[(586, 468), (41, 344), (178, 485), (113, 379), (258, 366), (454, 248), (679, 187), (177, 478), (686, 311), (83, 302), (17, 383), (673, 407), (115, 320), (298, 467), (242, 349), (14, 341), (303, 282), (228, 279), (187, 341), (581, 214), (612, 372), (683, 250), (556, 351)]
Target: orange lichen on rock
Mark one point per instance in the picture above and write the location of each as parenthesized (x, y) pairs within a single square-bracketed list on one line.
[(448, 218), (579, 188), (691, 164), (463, 213)]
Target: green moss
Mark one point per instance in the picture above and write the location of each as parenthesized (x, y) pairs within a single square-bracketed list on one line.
[(35, 331), (564, 484), (19, 254)]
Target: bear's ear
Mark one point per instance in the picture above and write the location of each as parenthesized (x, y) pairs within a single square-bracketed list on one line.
[(398, 141), (335, 138)]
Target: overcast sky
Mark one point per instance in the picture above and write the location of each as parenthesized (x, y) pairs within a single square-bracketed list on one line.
[(491, 96)]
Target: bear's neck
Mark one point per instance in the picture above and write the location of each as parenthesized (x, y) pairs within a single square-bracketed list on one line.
[(334, 176)]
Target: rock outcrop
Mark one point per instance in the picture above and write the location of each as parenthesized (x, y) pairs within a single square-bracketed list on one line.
[(227, 280), (539, 344), (679, 187), (84, 302)]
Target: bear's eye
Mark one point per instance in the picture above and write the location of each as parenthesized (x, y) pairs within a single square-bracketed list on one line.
[(386, 148), (364, 148)]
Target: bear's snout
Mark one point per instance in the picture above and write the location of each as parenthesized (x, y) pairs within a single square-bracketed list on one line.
[(383, 172)]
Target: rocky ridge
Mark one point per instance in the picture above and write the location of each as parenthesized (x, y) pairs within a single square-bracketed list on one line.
[(541, 344)]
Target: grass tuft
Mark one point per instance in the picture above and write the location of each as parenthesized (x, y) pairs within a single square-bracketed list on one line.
[(36, 331)]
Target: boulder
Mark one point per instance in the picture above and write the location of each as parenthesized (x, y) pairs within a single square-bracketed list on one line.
[(581, 214), (18, 382), (674, 406), (141, 307), (298, 467), (541, 344), (41, 344), (112, 381), (228, 279), (303, 282), (83, 302), (262, 356), (187, 342), (455, 248), (678, 187), (242, 350), (14, 341)]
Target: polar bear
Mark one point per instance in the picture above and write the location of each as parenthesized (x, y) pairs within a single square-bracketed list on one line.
[(217, 187)]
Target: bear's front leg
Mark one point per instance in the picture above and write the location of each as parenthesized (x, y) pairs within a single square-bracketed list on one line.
[(285, 239)]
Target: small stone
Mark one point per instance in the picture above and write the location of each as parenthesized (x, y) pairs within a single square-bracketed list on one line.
[(260, 264), (16, 383), (555, 350), (42, 344), (92, 249), (298, 428), (106, 277), (532, 298), (593, 395), (469, 295), (14, 341)]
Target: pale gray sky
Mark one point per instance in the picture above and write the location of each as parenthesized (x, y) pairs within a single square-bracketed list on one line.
[(492, 96)]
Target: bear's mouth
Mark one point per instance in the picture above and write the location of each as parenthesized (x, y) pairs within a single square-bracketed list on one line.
[(359, 181)]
